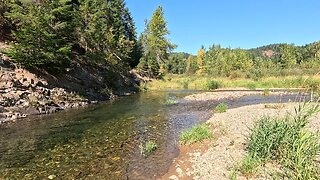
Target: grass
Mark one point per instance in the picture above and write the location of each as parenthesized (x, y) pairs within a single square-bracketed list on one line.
[(196, 82), (266, 92), (195, 134), (274, 106), (285, 143), (149, 147), (171, 101), (221, 108)]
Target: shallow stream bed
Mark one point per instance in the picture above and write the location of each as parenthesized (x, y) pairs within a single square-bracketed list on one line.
[(104, 141)]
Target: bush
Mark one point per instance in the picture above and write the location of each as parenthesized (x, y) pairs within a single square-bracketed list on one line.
[(285, 141), (212, 85), (221, 108), (266, 92), (195, 134), (236, 75)]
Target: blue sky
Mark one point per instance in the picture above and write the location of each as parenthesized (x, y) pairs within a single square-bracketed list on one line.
[(233, 23)]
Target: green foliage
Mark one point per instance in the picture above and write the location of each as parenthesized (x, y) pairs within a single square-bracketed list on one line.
[(221, 108), (266, 92), (195, 134), (270, 60), (45, 32), (288, 55), (107, 31), (185, 84), (148, 147), (287, 142), (155, 45), (6, 26), (51, 34), (170, 101), (252, 86), (212, 85)]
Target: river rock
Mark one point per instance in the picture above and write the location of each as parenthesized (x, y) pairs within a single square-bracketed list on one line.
[(2, 109), (173, 177), (180, 172)]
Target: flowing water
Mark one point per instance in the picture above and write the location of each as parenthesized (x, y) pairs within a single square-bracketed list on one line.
[(104, 141)]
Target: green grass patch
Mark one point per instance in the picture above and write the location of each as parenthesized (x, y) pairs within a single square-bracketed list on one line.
[(285, 142), (148, 147), (221, 108), (252, 86), (171, 101), (195, 134)]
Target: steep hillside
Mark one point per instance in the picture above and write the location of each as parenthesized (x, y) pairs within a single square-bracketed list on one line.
[(24, 92)]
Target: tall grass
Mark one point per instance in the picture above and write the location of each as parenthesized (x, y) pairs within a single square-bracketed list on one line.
[(210, 83), (285, 142)]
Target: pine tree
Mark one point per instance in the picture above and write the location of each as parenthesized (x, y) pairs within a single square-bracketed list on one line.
[(157, 36), (155, 43), (45, 32), (5, 24), (108, 32)]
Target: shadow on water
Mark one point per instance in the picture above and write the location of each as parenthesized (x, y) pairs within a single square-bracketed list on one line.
[(103, 141)]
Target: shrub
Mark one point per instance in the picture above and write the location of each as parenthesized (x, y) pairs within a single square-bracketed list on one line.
[(195, 134), (212, 85), (221, 108), (266, 92), (236, 75)]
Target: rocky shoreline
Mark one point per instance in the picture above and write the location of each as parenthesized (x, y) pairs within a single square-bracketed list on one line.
[(23, 94)]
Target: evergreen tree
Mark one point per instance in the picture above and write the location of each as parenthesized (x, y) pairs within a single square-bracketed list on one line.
[(45, 32), (5, 24), (155, 43), (108, 31), (157, 40)]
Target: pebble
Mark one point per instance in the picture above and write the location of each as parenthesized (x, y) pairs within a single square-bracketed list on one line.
[(173, 177), (180, 172), (52, 176)]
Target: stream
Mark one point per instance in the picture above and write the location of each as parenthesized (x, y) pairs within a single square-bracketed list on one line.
[(104, 141)]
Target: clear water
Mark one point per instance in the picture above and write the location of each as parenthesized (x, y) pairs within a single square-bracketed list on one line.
[(103, 141)]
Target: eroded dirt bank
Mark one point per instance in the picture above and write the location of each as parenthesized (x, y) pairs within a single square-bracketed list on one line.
[(24, 93)]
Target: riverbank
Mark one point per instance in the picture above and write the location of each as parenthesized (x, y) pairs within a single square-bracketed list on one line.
[(216, 158), (33, 92), (203, 82)]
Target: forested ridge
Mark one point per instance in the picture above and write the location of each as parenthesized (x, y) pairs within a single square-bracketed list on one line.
[(270, 60)]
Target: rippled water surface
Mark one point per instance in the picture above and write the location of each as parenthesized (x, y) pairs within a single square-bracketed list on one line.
[(103, 141)]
